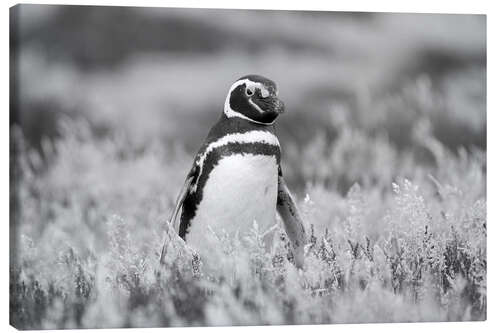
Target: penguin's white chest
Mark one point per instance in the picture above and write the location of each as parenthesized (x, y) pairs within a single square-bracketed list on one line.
[(241, 188)]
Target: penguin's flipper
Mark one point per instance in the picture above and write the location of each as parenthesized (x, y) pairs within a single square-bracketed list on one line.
[(292, 220), (180, 200), (173, 235)]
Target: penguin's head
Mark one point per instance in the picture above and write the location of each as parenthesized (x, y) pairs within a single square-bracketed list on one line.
[(254, 98)]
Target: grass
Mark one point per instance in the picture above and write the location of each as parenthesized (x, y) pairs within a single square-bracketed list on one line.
[(404, 241)]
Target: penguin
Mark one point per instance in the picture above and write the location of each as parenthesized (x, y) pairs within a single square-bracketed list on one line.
[(236, 178)]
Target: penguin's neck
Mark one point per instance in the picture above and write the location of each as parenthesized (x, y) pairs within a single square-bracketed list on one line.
[(226, 125)]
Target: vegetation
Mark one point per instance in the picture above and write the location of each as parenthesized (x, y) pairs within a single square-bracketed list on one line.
[(406, 242)]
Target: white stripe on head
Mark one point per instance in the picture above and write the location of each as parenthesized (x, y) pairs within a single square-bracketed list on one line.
[(255, 106), (229, 112), (247, 137)]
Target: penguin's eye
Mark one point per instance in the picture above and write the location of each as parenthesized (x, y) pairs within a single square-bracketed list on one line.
[(250, 91)]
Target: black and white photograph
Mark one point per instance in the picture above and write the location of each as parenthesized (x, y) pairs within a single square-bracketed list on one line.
[(174, 167)]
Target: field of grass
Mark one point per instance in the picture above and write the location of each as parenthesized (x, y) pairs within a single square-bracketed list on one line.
[(406, 242)]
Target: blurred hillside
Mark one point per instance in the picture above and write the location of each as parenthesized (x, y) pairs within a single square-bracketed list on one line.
[(163, 73)]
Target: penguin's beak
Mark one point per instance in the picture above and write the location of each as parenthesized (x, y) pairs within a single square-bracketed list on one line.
[(270, 104), (279, 106)]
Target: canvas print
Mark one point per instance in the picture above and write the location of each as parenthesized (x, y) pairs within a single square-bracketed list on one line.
[(213, 167)]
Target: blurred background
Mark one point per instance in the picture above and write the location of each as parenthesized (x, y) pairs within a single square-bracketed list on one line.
[(163, 73)]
